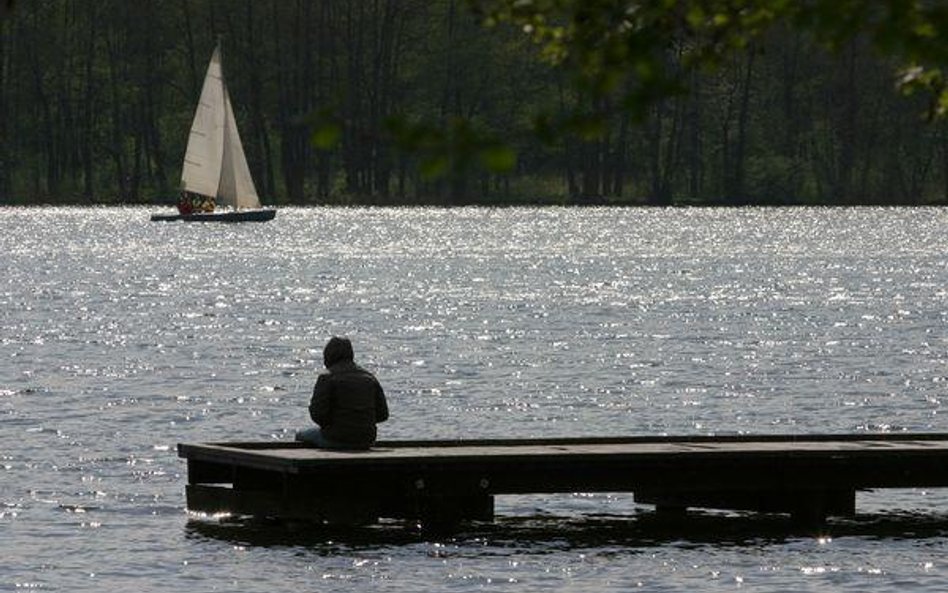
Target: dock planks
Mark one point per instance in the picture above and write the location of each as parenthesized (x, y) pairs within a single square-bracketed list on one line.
[(810, 477)]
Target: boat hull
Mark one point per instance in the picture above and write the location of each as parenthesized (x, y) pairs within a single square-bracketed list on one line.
[(234, 216)]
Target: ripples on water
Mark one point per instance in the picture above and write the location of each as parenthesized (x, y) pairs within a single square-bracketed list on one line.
[(122, 337)]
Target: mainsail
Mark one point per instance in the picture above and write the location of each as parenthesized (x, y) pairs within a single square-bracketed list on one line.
[(214, 162)]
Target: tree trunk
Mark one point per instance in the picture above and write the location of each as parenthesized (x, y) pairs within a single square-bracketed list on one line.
[(790, 147), (5, 115), (291, 91), (846, 94), (194, 77), (88, 112), (695, 164), (943, 142), (325, 79), (663, 147), (739, 191), (619, 159), (356, 136), (657, 195), (260, 142), (46, 132)]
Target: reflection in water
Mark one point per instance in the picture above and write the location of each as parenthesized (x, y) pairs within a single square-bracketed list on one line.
[(547, 534)]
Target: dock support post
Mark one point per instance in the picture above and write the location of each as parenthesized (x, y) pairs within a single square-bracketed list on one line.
[(441, 513), (813, 508)]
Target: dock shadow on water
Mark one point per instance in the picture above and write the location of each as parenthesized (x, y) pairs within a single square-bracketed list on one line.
[(549, 534)]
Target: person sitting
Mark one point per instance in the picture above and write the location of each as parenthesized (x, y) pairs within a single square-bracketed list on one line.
[(347, 403)]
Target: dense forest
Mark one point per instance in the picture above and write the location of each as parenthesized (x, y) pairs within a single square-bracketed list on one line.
[(416, 102)]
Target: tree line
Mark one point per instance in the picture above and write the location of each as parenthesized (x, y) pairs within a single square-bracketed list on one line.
[(416, 102)]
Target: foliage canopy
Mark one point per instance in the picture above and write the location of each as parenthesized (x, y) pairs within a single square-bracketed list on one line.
[(622, 46), (444, 101)]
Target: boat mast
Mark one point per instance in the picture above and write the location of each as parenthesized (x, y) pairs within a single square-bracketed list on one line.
[(236, 185)]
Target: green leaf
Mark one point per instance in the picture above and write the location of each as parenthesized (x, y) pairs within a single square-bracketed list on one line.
[(434, 166), (326, 135), (499, 158), (941, 105)]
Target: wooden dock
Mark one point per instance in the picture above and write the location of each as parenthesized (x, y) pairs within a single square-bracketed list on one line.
[(810, 477)]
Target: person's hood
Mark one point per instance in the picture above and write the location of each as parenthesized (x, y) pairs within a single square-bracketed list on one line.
[(337, 350)]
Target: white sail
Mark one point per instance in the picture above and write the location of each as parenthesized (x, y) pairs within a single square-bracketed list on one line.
[(214, 162), (236, 186)]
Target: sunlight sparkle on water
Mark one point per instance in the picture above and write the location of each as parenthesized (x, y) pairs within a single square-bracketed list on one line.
[(132, 337)]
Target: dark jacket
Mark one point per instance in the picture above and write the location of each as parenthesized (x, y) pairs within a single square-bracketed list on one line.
[(347, 403)]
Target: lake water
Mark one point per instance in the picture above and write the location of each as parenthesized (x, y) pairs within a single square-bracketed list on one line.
[(120, 338)]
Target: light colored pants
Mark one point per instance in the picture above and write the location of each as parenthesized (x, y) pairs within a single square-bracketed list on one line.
[(314, 436)]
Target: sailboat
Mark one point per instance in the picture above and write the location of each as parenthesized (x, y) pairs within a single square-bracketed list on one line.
[(215, 172)]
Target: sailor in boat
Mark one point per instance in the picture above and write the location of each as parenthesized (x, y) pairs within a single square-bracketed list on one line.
[(184, 204), (191, 203), (347, 402)]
